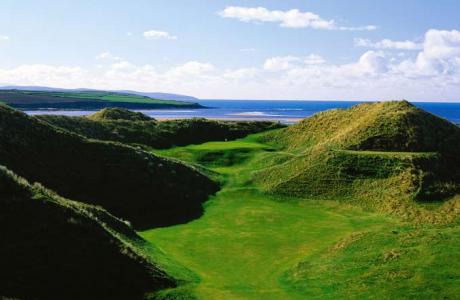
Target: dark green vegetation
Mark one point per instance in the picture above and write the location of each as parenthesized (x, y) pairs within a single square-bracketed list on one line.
[(54, 248), (121, 125), (85, 100), (348, 204), (143, 188)]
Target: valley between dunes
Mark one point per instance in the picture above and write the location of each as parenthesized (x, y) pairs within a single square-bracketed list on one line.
[(246, 241), (357, 203)]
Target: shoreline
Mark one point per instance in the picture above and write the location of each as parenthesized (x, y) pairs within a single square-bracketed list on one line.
[(233, 119)]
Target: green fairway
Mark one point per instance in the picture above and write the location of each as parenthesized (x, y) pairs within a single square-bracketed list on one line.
[(246, 241)]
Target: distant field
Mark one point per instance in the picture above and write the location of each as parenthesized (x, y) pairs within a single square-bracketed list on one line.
[(87, 100), (105, 96)]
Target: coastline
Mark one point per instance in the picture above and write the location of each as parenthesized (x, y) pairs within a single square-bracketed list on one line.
[(233, 119)]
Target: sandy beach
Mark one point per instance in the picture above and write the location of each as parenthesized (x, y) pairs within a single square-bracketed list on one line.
[(236, 119)]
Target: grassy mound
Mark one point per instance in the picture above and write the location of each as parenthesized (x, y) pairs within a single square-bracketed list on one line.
[(54, 248), (116, 113), (371, 154), (135, 128), (395, 126), (143, 188)]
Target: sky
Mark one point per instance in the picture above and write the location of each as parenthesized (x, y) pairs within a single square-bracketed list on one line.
[(264, 50)]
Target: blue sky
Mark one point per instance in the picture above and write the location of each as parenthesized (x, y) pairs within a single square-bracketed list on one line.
[(332, 50)]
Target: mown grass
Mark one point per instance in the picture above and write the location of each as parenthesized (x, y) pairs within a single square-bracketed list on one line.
[(254, 245), (247, 240)]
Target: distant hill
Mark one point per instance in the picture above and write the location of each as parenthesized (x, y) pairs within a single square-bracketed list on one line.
[(121, 125), (86, 100), (137, 186), (373, 154), (166, 96), (155, 95), (54, 249)]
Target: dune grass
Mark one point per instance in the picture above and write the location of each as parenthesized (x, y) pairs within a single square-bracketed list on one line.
[(246, 241)]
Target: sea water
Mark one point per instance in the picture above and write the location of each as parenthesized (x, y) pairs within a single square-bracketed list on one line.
[(284, 111)]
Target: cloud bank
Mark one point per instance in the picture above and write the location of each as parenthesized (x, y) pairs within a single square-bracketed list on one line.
[(376, 75), (388, 44), (290, 19)]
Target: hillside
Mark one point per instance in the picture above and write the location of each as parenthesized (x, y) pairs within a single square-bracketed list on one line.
[(376, 155), (143, 188), (90, 100), (155, 95), (382, 126), (121, 125), (54, 248)]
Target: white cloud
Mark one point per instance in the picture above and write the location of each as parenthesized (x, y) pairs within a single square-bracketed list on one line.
[(388, 44), (192, 68), (107, 55), (247, 73), (373, 62), (4, 38), (292, 18), (122, 66), (314, 59), (442, 44), (129, 33), (440, 55), (279, 63), (156, 35)]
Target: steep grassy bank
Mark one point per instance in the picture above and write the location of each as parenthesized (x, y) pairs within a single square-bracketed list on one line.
[(54, 248), (382, 156), (125, 126), (143, 188)]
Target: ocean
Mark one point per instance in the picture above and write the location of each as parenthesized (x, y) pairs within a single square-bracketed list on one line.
[(284, 111)]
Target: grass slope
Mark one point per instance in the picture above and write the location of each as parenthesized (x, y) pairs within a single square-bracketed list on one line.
[(404, 263), (143, 188), (121, 125), (54, 248)]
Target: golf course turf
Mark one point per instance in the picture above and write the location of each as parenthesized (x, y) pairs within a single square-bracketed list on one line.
[(246, 241)]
